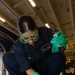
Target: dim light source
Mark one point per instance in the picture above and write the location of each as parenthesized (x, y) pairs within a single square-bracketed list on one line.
[(47, 25), (69, 59), (3, 20), (32, 3)]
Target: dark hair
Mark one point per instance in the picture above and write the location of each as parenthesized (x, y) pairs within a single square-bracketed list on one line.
[(30, 23)]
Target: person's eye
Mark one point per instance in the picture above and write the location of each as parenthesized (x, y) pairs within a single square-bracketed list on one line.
[(25, 38), (33, 36)]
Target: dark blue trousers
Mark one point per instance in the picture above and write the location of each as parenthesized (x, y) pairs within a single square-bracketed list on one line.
[(52, 65)]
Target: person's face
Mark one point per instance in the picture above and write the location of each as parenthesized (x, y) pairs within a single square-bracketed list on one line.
[(29, 37)]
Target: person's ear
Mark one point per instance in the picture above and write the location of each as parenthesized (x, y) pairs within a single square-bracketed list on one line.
[(21, 39)]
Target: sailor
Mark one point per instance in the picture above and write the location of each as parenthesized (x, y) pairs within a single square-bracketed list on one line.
[(33, 51)]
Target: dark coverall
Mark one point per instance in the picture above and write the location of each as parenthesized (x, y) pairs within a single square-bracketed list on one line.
[(38, 57)]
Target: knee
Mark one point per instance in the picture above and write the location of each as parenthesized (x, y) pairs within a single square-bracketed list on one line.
[(58, 58), (61, 60), (6, 57)]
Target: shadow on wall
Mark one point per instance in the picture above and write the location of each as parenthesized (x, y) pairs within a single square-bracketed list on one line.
[(7, 38)]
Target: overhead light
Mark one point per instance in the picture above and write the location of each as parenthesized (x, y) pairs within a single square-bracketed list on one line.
[(2, 19), (47, 25), (32, 3), (30, 0)]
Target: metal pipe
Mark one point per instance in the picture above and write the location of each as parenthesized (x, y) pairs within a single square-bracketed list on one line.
[(9, 8)]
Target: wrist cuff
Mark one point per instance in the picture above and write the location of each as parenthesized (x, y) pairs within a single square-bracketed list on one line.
[(35, 73)]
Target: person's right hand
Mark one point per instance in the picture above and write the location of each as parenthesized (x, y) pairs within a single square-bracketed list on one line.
[(35, 73), (31, 71)]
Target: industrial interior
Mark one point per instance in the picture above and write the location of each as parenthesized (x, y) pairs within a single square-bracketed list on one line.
[(58, 14)]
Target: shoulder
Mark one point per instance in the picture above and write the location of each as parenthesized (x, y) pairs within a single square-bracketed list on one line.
[(45, 32), (17, 42), (44, 28), (17, 45)]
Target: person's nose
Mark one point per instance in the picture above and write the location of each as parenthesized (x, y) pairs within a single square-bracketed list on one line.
[(31, 42)]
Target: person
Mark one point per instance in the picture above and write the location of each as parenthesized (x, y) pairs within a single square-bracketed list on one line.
[(32, 51)]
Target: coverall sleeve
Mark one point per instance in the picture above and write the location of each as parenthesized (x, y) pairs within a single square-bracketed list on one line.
[(21, 58)]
